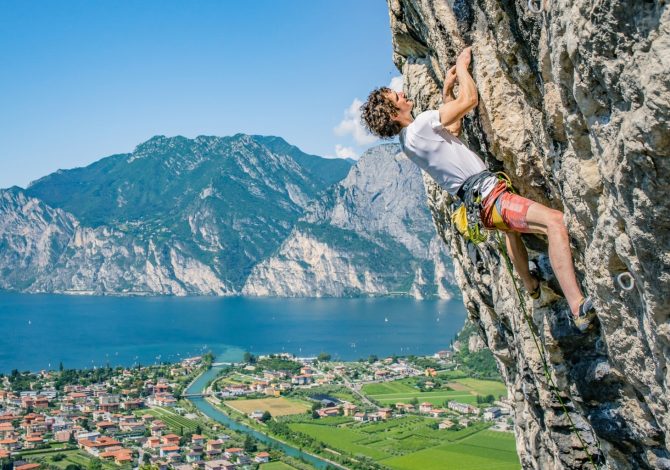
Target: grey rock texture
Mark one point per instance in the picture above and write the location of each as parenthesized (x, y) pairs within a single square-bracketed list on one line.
[(43, 249), (370, 234), (574, 106)]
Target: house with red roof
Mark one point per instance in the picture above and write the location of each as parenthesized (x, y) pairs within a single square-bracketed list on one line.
[(233, 452), (425, 407), (100, 444), (28, 466), (9, 444), (32, 441), (219, 465), (171, 439), (120, 455), (152, 442), (166, 450)]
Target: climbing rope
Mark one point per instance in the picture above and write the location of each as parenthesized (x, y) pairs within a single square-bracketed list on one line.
[(540, 349)]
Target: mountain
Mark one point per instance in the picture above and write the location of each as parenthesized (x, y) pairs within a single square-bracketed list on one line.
[(185, 216), (369, 234), (222, 202)]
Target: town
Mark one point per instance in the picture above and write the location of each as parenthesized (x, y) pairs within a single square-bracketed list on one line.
[(146, 416)]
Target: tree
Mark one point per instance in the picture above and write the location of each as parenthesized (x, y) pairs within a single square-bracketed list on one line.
[(266, 416), (372, 358), (95, 464), (250, 444), (248, 358), (414, 401), (60, 366), (323, 357)]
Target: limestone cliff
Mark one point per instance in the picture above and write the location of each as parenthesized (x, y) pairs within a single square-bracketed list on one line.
[(574, 106), (370, 234)]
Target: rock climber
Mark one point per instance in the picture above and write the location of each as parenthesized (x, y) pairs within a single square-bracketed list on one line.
[(431, 142)]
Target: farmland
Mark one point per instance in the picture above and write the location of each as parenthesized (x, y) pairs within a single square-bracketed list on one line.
[(411, 443), (172, 419), (464, 390), (276, 406)]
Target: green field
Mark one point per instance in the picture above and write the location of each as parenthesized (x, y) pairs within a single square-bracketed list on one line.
[(402, 391), (485, 450), (343, 439), (485, 387), (175, 421), (276, 466), (78, 457), (410, 443)]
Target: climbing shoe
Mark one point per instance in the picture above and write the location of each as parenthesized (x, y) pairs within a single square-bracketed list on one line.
[(587, 313), (535, 294)]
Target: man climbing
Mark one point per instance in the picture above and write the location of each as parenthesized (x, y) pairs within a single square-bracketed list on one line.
[(430, 141)]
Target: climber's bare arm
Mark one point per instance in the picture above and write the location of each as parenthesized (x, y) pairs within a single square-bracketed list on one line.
[(450, 80), (454, 110)]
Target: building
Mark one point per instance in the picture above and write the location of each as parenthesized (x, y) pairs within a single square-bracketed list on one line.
[(492, 413), (349, 409), (219, 465), (425, 407), (99, 445), (462, 408)]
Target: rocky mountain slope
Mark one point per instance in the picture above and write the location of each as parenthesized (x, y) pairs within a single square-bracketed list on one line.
[(196, 216), (369, 234), (574, 106)]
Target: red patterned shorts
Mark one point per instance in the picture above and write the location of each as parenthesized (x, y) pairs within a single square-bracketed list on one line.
[(511, 207)]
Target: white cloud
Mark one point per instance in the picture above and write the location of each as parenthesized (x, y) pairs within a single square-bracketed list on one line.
[(345, 152), (351, 124), (396, 83)]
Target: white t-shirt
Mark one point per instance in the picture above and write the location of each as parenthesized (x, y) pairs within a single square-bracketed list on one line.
[(442, 155)]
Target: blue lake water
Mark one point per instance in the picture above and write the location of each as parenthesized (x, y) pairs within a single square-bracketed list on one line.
[(39, 331)]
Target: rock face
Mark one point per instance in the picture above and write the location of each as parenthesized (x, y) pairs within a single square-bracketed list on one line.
[(574, 106), (370, 234)]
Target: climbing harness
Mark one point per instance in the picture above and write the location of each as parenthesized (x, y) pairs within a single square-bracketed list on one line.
[(541, 351), (626, 281), (536, 8), (466, 218)]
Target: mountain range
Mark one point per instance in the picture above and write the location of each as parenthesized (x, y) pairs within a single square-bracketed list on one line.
[(244, 214)]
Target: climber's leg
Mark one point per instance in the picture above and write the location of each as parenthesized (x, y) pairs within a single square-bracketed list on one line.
[(549, 222), (519, 256)]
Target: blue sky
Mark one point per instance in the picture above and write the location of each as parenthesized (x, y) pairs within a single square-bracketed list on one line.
[(81, 80)]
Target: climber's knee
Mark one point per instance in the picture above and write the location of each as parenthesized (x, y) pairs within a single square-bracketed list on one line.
[(544, 220)]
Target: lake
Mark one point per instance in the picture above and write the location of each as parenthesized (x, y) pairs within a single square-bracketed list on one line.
[(41, 331)]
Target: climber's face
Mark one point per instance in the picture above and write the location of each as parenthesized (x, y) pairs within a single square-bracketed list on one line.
[(401, 102)]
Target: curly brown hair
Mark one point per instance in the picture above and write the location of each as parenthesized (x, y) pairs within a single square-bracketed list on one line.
[(376, 114)]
